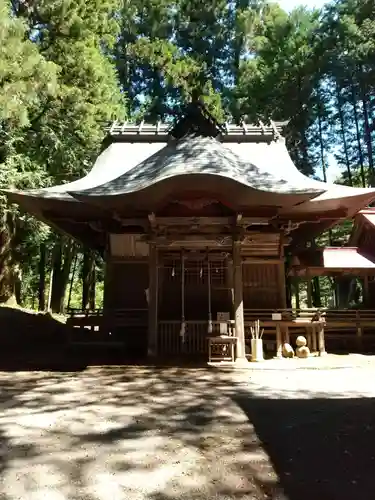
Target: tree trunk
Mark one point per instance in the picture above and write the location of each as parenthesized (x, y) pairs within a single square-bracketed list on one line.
[(69, 251), (296, 291), (342, 125), (7, 235), (92, 287), (62, 260), (42, 278), (86, 278), (358, 135), (321, 144), (324, 170), (367, 127), (17, 280), (72, 277), (288, 286), (316, 299), (304, 144)]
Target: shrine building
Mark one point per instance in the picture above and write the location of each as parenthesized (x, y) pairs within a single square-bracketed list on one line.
[(200, 225)]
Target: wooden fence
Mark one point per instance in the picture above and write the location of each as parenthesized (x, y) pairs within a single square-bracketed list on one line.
[(340, 325)]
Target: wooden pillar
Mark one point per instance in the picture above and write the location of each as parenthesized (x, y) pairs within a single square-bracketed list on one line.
[(152, 344), (238, 302), (309, 338), (322, 346), (279, 341), (314, 338), (359, 331), (282, 284), (287, 336)]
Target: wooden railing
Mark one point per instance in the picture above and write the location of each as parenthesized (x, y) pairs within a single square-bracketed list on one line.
[(117, 317), (194, 341), (342, 326), (335, 317), (92, 326)]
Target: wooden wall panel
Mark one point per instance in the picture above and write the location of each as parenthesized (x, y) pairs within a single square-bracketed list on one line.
[(366, 243), (128, 245), (261, 245), (261, 286), (126, 283)]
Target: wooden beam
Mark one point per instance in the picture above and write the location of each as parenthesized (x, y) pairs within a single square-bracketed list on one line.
[(334, 272), (249, 221), (262, 260), (198, 240), (194, 220), (137, 221), (127, 259), (340, 213)]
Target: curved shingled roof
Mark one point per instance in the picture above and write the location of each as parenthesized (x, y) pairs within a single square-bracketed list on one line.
[(197, 156), (111, 163), (249, 165), (127, 167)]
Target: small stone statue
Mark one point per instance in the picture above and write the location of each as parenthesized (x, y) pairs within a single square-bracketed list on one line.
[(301, 341), (302, 350), (287, 351)]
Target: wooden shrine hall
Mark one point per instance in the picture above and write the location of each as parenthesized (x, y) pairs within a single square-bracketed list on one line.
[(195, 221)]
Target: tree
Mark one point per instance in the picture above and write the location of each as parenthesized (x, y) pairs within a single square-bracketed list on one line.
[(279, 80), (64, 136), (27, 80)]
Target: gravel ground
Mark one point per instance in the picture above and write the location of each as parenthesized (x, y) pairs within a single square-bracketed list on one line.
[(132, 433)]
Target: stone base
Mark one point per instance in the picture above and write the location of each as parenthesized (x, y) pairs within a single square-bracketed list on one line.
[(241, 362)]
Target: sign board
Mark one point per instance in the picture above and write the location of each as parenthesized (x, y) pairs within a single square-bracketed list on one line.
[(223, 318), (276, 317)]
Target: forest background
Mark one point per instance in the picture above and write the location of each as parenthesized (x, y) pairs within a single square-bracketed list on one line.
[(69, 66)]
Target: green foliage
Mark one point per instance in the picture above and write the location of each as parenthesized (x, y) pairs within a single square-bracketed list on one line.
[(279, 81), (26, 78), (58, 83)]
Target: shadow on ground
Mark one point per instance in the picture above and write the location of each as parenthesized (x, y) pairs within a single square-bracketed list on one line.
[(177, 433), (172, 433), (320, 448)]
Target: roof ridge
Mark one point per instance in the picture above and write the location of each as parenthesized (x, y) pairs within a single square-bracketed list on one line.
[(117, 129)]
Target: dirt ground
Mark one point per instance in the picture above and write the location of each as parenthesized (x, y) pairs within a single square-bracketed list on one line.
[(117, 433)]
